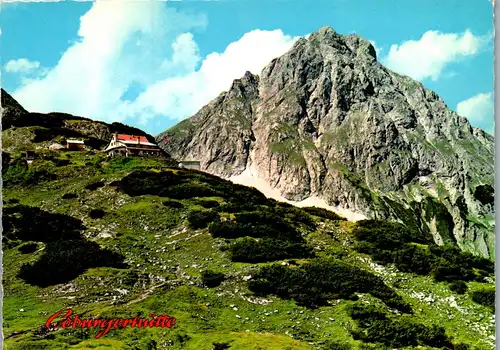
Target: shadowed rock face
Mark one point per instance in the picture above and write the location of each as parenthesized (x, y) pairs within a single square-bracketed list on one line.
[(11, 110), (326, 119)]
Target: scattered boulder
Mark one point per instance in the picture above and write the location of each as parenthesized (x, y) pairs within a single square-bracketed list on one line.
[(56, 146)]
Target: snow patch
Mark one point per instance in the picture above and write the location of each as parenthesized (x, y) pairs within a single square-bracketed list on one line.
[(251, 178)]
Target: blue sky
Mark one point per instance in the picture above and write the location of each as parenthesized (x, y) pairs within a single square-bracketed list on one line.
[(152, 64)]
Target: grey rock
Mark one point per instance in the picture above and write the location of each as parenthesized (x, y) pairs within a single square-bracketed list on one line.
[(326, 119)]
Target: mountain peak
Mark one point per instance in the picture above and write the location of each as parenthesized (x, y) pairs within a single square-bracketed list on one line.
[(325, 30), (12, 112), (245, 86), (355, 43), (8, 102), (325, 120), (325, 34)]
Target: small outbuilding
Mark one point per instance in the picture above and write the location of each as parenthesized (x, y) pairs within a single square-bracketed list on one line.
[(190, 164), (75, 145)]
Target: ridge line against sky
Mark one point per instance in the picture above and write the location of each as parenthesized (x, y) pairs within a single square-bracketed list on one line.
[(151, 63)]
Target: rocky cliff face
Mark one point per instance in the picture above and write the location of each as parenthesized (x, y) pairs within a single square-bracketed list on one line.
[(11, 110), (327, 120)]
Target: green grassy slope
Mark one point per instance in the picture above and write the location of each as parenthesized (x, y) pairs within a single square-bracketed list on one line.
[(290, 278)]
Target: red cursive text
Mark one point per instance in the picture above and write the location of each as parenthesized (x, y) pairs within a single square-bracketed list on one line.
[(67, 321)]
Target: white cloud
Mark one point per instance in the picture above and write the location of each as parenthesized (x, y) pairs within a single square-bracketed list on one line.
[(479, 110), (21, 65), (126, 44), (185, 55), (427, 57), (182, 96), (119, 44), (28, 71)]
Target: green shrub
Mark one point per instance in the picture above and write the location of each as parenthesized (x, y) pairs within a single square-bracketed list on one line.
[(388, 235), (130, 278), (243, 195), (297, 215), (227, 229), (47, 154), (63, 261), (201, 218), (405, 333), (121, 163), (186, 184), (207, 203), (278, 238), (333, 345), (212, 279), (458, 257), (173, 204), (485, 194), (230, 229), (267, 249), (97, 213), (485, 297), (268, 224), (61, 162), (15, 173), (272, 202), (164, 184), (459, 287), (28, 248), (323, 213), (235, 207), (283, 204), (395, 331), (448, 271), (261, 217), (140, 183), (413, 258), (32, 224), (315, 283), (388, 243), (94, 186), (6, 158), (182, 338), (366, 312), (34, 176), (188, 190), (20, 174)]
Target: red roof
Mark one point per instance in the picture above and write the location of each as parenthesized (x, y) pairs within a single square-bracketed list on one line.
[(144, 149), (123, 137)]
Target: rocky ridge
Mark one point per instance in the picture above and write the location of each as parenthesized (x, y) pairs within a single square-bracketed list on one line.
[(24, 130), (326, 119)]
